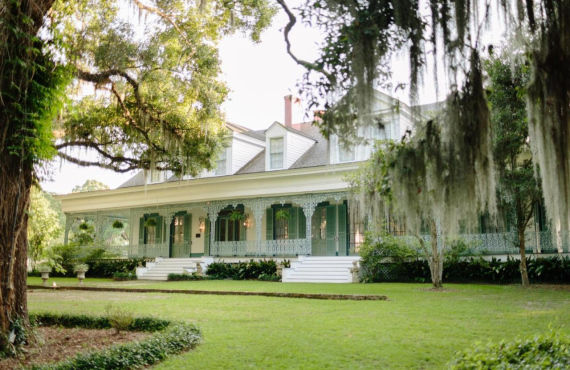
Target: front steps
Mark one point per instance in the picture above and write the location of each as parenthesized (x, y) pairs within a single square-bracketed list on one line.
[(320, 270), (161, 267)]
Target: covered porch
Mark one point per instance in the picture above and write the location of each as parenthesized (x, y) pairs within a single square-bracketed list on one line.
[(286, 226)]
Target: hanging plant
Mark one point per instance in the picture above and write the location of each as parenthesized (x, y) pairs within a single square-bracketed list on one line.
[(117, 224), (83, 226), (151, 222), (282, 214), (236, 215)]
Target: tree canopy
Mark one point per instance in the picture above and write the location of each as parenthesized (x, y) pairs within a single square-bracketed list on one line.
[(446, 36), (89, 185)]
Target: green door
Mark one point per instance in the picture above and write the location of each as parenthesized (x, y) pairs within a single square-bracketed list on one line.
[(329, 230), (332, 236), (180, 236)]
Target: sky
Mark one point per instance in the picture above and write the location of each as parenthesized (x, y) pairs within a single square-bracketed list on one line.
[(258, 75)]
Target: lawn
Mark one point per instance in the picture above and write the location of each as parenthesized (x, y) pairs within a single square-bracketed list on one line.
[(415, 328)]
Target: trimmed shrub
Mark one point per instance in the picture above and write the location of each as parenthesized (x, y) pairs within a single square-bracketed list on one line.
[(124, 276), (171, 338), (185, 277), (242, 270), (549, 351)]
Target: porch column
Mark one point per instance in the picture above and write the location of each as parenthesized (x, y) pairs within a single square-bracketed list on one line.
[(258, 211), (213, 211), (68, 223), (308, 210), (99, 228)]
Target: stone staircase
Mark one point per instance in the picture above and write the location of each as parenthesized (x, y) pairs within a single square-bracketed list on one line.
[(320, 270), (161, 267)]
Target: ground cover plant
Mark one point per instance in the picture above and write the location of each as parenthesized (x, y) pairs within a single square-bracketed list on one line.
[(416, 328), (169, 338)]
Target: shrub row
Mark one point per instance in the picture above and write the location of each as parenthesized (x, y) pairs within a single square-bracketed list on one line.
[(172, 339), (100, 268), (149, 324), (124, 276), (265, 269), (549, 351), (187, 277), (540, 270)]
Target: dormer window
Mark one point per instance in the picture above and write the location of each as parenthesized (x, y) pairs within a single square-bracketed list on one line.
[(155, 176), (276, 153), (345, 154), (221, 163)]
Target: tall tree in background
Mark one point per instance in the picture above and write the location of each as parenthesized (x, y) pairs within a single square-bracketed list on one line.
[(89, 185), (149, 97), (362, 37), (43, 224), (518, 188)]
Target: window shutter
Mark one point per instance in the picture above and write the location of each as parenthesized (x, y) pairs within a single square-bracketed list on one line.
[(242, 231), (293, 222), (141, 231), (331, 222), (269, 224), (217, 229), (206, 237), (159, 227), (302, 224), (342, 232)]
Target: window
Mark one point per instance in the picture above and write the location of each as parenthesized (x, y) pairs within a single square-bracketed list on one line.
[(154, 176), (151, 235), (319, 229), (230, 225), (285, 222), (276, 153), (178, 229), (221, 163), (345, 154)]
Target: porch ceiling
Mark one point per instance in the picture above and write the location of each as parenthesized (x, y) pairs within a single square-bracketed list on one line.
[(265, 184)]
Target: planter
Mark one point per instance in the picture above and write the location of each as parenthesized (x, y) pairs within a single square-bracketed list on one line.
[(81, 276), (45, 277)]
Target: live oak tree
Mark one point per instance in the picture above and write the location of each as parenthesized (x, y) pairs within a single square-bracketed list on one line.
[(89, 185), (139, 92), (361, 38), (517, 186)]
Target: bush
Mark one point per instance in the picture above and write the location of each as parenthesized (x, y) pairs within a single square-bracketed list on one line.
[(241, 270), (185, 277), (549, 351), (124, 276), (171, 338), (540, 270), (119, 319), (106, 268)]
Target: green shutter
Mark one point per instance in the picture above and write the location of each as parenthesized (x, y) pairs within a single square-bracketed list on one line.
[(159, 227), (302, 224), (293, 222), (331, 231), (141, 231), (187, 228), (217, 230), (269, 224), (242, 231), (342, 230), (206, 237)]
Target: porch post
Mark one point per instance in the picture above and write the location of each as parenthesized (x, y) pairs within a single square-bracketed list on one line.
[(213, 211), (258, 211), (308, 210), (68, 223)]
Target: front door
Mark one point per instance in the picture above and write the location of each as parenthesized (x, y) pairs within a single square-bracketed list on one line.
[(329, 236), (180, 235)]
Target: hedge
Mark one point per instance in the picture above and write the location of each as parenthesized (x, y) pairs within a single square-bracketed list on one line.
[(170, 339), (243, 270), (540, 270), (101, 268), (549, 351)]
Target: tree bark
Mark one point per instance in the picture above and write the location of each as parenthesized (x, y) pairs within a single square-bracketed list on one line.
[(21, 21), (523, 268), (15, 185), (435, 259)]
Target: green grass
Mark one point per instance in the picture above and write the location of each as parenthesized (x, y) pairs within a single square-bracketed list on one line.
[(416, 328)]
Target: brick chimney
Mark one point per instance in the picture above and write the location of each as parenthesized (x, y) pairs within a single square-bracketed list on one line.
[(288, 110)]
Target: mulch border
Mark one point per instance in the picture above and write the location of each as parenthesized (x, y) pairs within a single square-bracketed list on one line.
[(341, 297)]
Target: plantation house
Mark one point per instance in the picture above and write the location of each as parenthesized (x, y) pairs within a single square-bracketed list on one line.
[(279, 192)]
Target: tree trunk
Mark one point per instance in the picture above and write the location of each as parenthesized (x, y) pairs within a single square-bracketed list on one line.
[(15, 184), (524, 271), (435, 260)]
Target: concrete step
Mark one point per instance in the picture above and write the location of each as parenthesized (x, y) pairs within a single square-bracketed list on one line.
[(320, 269)]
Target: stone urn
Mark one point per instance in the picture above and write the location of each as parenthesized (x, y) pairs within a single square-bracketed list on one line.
[(80, 270), (44, 270)]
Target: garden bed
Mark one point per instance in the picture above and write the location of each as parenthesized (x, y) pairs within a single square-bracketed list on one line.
[(54, 344), (88, 342)]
